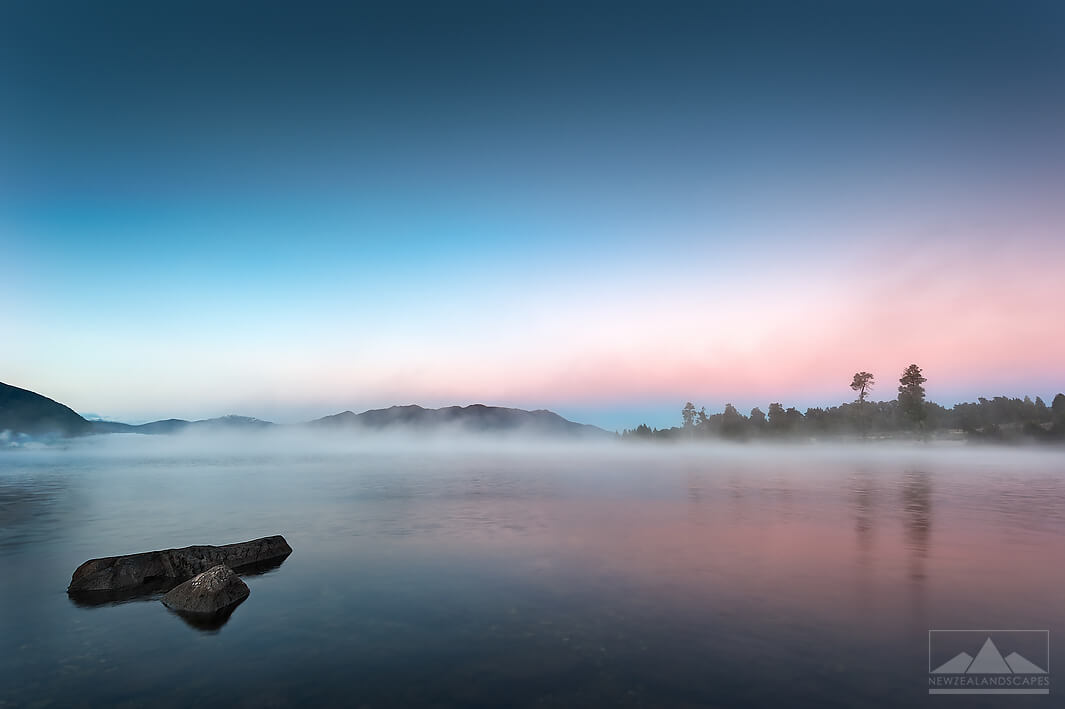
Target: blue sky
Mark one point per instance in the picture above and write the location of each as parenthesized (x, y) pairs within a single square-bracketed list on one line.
[(601, 208)]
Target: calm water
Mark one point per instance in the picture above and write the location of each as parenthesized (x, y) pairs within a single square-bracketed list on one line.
[(615, 576)]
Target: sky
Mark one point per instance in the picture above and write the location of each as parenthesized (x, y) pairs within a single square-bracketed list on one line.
[(286, 210)]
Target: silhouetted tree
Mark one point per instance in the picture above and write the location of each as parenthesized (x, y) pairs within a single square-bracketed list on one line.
[(1057, 414), (863, 384), (911, 395), (792, 419), (817, 420), (688, 415), (776, 418), (1000, 419), (756, 423), (641, 431), (733, 423)]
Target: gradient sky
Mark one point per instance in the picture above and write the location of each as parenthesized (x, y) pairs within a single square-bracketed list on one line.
[(288, 209)]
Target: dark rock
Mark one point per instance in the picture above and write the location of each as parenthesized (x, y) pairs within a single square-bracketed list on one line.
[(152, 590), (121, 573), (207, 593)]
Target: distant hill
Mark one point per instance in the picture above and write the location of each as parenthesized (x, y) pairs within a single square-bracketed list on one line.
[(223, 423), (23, 411), (475, 418)]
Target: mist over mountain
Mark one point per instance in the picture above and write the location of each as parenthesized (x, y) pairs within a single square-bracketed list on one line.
[(472, 419), (27, 413), (230, 422)]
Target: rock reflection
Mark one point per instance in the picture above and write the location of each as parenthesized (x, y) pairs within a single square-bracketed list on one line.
[(207, 622), (150, 590)]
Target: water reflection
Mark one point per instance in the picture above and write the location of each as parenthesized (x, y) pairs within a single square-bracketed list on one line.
[(863, 496), (917, 519), (35, 510), (666, 581), (863, 492)]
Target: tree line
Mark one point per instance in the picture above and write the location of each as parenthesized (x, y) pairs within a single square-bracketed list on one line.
[(909, 414)]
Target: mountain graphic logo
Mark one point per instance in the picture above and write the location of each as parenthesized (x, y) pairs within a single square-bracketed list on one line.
[(970, 661), (989, 661)]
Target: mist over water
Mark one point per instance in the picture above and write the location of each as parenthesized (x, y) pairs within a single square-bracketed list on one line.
[(469, 571)]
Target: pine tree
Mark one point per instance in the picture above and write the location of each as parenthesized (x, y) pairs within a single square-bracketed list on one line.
[(911, 396)]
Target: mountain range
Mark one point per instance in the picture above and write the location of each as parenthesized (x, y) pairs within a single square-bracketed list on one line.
[(28, 413)]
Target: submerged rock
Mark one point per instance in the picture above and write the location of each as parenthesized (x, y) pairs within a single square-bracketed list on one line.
[(171, 566), (208, 593)]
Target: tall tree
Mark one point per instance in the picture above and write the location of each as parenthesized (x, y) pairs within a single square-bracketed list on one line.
[(863, 384), (688, 415), (701, 417), (911, 395)]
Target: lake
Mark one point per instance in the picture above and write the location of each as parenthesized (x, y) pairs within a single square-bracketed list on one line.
[(528, 574)]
